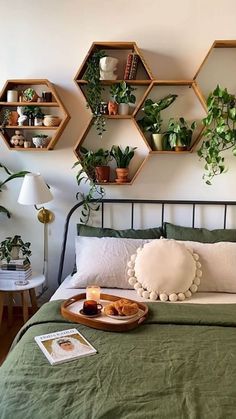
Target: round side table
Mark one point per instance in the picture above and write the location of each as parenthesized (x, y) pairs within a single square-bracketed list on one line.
[(9, 288)]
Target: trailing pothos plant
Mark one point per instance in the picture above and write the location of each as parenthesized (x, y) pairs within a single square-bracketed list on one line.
[(7, 245), (95, 89), (88, 161), (219, 133), (10, 177)]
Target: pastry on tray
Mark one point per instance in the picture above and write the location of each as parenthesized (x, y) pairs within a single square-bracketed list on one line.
[(121, 307)]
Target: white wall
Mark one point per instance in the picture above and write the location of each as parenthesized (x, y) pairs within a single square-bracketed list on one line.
[(49, 39)]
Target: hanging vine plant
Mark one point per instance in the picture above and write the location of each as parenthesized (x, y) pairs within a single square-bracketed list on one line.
[(219, 132), (95, 89)]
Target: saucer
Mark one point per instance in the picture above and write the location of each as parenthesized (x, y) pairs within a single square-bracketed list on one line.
[(90, 315)]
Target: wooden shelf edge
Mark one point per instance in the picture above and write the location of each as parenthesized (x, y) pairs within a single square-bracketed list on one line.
[(40, 104)]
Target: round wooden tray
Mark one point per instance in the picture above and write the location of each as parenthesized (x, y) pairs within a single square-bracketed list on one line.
[(98, 323)]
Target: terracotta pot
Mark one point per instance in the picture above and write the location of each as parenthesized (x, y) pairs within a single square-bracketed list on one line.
[(13, 118), (122, 175), (180, 148), (102, 174), (112, 108)]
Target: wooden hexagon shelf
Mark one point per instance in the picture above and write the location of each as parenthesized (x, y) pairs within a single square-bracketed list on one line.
[(188, 98), (128, 124), (10, 101), (218, 67)]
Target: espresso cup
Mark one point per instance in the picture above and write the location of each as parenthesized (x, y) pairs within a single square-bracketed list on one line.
[(91, 307)]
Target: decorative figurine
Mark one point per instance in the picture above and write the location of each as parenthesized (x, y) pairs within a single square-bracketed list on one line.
[(18, 139), (108, 66), (22, 118), (112, 108)]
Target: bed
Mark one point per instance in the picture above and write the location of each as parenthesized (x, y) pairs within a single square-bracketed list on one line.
[(180, 363)]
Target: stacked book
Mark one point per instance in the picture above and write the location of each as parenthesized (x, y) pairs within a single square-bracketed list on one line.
[(16, 269), (131, 66)]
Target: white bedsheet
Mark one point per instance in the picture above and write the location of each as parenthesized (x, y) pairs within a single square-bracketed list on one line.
[(63, 292)]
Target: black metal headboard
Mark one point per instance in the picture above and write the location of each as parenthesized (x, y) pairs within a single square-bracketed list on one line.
[(132, 203)]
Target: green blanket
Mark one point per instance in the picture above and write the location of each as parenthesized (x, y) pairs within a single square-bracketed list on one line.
[(181, 363)]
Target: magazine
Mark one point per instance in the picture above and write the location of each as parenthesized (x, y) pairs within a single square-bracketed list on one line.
[(64, 346)]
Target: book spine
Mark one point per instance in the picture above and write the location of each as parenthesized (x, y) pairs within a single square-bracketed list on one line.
[(128, 66), (16, 262), (134, 67), (15, 267)]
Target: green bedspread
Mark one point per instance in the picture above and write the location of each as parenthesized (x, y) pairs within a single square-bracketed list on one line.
[(180, 364)]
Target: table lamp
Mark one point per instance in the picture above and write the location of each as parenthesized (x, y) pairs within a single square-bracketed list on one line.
[(34, 191)]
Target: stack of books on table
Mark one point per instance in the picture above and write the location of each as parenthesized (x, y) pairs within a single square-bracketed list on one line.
[(16, 269)]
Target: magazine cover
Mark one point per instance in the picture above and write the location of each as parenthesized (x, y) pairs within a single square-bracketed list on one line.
[(64, 346)]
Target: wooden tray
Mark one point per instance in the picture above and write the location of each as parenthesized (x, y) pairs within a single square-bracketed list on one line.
[(103, 322)]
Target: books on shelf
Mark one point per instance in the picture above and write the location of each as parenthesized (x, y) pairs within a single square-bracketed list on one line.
[(64, 346), (131, 66), (15, 274), (15, 265)]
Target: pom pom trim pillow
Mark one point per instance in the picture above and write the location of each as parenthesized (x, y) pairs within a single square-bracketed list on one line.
[(164, 269)]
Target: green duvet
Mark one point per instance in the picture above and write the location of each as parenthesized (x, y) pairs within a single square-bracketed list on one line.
[(180, 364)]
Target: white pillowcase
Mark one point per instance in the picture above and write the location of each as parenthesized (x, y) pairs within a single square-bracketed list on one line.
[(218, 262), (165, 269), (103, 261)]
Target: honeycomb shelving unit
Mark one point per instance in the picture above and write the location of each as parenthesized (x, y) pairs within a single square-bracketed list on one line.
[(54, 107)]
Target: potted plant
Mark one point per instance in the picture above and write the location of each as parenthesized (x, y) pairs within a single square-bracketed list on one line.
[(95, 163), (30, 95), (179, 134), (122, 158), (38, 116), (12, 247), (94, 90), (123, 96), (40, 140), (152, 121), (219, 133), (10, 177)]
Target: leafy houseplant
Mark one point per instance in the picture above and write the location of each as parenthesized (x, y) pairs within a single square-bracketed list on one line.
[(122, 94), (219, 132), (122, 158), (10, 177), (10, 245), (179, 134), (5, 119), (94, 90), (152, 122)]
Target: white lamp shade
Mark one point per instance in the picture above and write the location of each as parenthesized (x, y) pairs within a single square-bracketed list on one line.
[(34, 190)]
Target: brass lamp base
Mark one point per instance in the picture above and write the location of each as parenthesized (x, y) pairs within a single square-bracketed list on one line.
[(45, 216)]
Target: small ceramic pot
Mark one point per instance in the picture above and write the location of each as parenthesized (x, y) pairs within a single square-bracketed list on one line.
[(27, 144), (13, 118), (122, 175), (157, 142), (112, 108), (40, 142), (12, 96), (51, 121), (102, 174), (123, 109), (38, 122)]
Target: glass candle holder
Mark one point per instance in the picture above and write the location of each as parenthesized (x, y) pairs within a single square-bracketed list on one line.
[(93, 292)]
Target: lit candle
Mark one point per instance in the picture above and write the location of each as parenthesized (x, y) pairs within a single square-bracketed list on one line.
[(93, 292)]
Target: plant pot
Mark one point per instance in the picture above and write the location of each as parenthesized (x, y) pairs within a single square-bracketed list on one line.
[(180, 148), (40, 142), (15, 252), (122, 175), (123, 109), (102, 174), (157, 142)]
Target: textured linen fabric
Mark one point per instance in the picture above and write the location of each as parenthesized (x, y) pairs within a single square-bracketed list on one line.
[(103, 261), (180, 363), (218, 265), (172, 231)]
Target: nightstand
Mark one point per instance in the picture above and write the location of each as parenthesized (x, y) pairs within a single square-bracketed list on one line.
[(8, 288)]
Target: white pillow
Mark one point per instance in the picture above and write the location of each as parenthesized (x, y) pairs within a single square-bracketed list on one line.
[(103, 261), (218, 265), (166, 269)]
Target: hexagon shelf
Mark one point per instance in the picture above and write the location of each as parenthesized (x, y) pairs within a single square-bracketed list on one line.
[(38, 97), (141, 77), (123, 129), (218, 67), (189, 104)]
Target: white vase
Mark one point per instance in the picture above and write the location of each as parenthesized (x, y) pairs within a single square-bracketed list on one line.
[(157, 142), (12, 96), (123, 109)]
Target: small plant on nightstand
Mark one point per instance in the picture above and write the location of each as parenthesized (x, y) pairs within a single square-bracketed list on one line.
[(11, 247)]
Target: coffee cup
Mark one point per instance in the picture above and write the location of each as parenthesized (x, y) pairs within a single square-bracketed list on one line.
[(91, 307)]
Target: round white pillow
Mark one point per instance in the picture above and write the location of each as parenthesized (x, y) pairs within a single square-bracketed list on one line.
[(164, 269)]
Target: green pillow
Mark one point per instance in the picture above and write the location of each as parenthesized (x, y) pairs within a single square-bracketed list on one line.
[(172, 231), (149, 233)]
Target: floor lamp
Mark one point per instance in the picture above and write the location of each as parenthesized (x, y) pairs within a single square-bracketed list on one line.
[(34, 191)]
